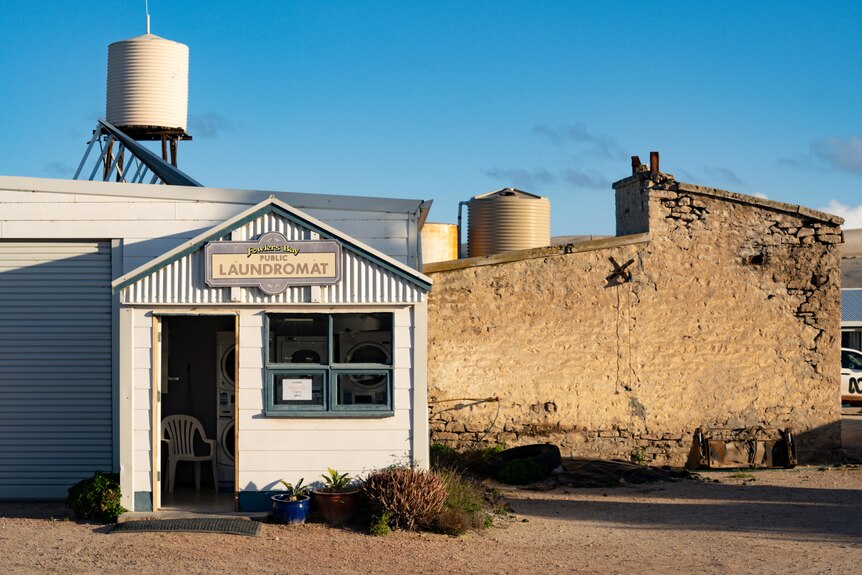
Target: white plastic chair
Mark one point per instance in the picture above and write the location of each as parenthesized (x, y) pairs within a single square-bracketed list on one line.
[(178, 431)]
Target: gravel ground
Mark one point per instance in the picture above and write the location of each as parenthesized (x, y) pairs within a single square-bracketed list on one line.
[(805, 520)]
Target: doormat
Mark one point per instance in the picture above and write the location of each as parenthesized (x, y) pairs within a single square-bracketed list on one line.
[(228, 525)]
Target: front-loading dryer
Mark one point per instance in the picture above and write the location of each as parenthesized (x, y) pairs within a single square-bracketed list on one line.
[(301, 349), (225, 370), (225, 400), (225, 452), (226, 359), (363, 348)]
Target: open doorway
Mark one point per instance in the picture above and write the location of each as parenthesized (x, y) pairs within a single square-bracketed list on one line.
[(198, 398)]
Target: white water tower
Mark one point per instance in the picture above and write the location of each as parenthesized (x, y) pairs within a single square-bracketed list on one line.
[(147, 98), (148, 90), (148, 84)]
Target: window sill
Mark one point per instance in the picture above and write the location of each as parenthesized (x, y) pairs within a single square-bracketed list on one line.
[(345, 414)]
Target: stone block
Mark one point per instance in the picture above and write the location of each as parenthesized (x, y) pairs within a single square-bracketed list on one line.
[(446, 436)]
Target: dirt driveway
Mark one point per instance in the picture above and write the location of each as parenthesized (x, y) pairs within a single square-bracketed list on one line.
[(804, 520)]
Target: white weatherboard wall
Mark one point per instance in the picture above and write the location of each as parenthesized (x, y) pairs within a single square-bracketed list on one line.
[(141, 408), (272, 448)]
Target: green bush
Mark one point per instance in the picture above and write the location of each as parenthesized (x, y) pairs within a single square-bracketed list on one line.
[(379, 525), (486, 452), (474, 461), (411, 498), (444, 457), (96, 498), (464, 507), (522, 472)]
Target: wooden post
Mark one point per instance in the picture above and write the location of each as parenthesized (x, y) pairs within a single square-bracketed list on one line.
[(109, 158), (174, 152), (120, 174)]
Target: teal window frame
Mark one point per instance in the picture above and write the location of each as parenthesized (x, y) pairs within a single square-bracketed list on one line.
[(350, 408), (330, 370), (272, 407)]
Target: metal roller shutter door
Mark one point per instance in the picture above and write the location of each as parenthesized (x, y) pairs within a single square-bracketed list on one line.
[(55, 366)]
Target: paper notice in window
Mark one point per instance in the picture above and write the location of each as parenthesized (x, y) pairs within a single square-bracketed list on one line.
[(296, 390)]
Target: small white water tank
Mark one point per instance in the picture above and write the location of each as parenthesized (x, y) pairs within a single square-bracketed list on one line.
[(148, 83), (507, 220), (439, 242)]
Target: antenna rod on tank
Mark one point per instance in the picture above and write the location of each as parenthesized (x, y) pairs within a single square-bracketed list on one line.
[(147, 8)]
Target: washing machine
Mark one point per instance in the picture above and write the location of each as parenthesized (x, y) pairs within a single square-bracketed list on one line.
[(365, 347), (225, 369), (301, 349), (225, 452), (225, 399)]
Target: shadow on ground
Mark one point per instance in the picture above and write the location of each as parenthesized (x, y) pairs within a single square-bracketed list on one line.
[(35, 510), (795, 511)]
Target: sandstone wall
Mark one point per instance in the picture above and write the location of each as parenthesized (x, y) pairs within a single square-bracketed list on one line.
[(731, 319)]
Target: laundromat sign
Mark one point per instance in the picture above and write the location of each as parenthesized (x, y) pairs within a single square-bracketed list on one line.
[(273, 263)]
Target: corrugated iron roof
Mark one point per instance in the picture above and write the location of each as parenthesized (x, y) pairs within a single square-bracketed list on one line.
[(851, 305)]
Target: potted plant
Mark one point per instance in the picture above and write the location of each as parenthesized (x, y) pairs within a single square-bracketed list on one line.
[(337, 500), (291, 506)]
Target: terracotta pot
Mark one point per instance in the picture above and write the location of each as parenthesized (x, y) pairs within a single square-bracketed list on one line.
[(336, 507)]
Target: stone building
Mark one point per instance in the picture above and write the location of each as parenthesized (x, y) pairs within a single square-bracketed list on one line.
[(708, 309)]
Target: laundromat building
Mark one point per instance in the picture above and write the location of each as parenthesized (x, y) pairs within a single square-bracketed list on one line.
[(293, 327)]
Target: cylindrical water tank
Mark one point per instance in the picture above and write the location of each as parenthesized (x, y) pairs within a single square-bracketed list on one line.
[(148, 83), (852, 247), (439, 242), (507, 220)]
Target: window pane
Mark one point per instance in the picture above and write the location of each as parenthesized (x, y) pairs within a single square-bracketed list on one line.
[(363, 388), (298, 338), (299, 389), (363, 338)]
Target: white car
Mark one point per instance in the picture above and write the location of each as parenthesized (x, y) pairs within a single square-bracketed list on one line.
[(851, 376)]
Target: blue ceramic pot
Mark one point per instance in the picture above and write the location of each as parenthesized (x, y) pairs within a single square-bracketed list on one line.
[(285, 510)]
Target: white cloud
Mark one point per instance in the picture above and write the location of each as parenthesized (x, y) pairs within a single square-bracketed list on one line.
[(723, 175), (760, 195), (521, 178), (852, 215), (593, 144), (843, 154), (209, 125), (585, 179)]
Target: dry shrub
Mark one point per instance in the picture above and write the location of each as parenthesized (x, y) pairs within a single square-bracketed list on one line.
[(467, 505), (412, 498), (454, 521)]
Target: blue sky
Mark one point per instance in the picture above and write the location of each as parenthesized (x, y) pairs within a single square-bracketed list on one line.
[(445, 100)]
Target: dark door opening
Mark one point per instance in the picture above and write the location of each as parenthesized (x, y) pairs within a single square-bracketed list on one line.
[(197, 400)]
